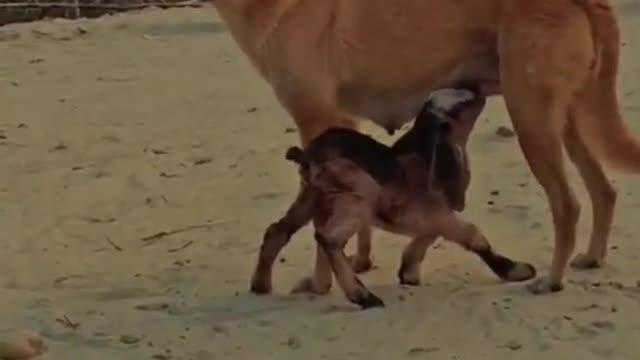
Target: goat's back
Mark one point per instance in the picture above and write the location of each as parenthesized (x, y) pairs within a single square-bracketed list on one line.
[(364, 152)]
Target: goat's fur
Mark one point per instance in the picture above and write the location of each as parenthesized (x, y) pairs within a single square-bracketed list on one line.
[(413, 188)]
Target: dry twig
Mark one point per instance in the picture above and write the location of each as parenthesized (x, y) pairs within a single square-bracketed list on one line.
[(68, 323), (186, 245), (114, 245), (161, 234)]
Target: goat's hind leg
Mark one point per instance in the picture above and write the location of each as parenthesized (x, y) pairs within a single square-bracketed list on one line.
[(278, 235), (471, 238), (332, 236)]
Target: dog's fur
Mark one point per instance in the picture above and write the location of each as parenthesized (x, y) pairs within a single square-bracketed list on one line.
[(555, 62), (413, 188)]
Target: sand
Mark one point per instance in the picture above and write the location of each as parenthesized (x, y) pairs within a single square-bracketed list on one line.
[(116, 129)]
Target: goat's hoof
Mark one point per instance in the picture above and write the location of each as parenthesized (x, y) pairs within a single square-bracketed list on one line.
[(370, 301), (307, 285), (360, 264), (544, 285), (520, 272), (408, 281), (586, 262)]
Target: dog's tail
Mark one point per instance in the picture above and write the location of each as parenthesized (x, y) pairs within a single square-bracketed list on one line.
[(605, 32), (602, 125)]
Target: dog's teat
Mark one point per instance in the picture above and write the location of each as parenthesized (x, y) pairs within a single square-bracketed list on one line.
[(446, 100), (390, 129)]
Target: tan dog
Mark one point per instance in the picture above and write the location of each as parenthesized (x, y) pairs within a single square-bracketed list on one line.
[(555, 62), (414, 188)]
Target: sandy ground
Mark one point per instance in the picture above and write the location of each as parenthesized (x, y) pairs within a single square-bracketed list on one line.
[(118, 129)]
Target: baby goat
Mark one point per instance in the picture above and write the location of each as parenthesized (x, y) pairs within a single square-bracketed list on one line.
[(414, 188)]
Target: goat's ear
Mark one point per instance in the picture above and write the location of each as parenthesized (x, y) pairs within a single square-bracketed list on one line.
[(445, 128)]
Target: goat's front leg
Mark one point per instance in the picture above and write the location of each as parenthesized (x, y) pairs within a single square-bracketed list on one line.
[(412, 257), (469, 236), (361, 260)]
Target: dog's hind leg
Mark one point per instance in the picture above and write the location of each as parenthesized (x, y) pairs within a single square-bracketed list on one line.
[(278, 235), (469, 236), (535, 123), (601, 191), (546, 56)]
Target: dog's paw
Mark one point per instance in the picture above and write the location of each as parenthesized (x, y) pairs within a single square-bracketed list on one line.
[(260, 286), (586, 262), (360, 264), (409, 281), (409, 277), (307, 285), (544, 285)]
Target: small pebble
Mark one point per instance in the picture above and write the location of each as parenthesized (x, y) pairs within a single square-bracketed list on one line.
[(294, 342), (513, 345), (60, 146), (152, 307), (504, 131), (616, 285), (603, 324), (219, 329), (422, 350), (129, 339)]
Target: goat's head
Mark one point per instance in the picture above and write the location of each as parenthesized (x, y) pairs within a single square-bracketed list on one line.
[(444, 124)]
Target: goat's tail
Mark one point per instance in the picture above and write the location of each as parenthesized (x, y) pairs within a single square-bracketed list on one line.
[(296, 155)]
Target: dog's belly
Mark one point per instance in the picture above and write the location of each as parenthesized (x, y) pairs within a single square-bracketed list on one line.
[(393, 107), (387, 75), (389, 111)]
